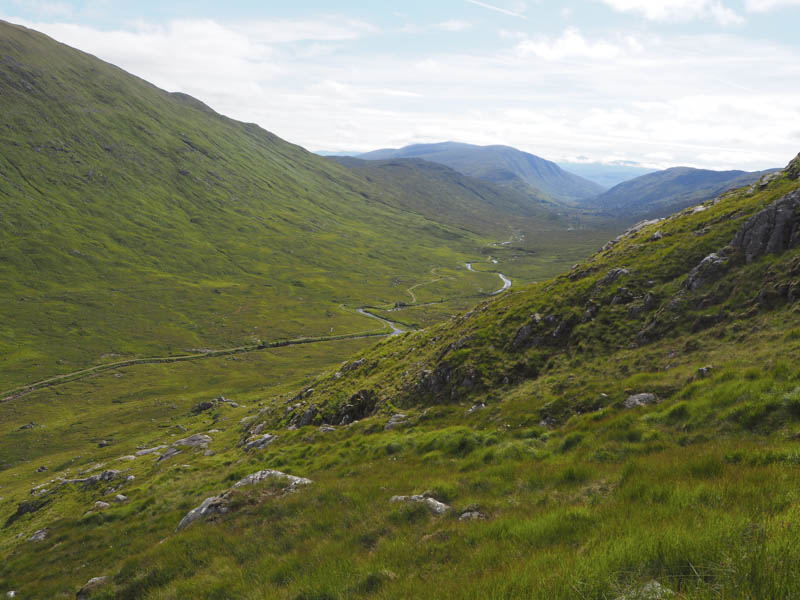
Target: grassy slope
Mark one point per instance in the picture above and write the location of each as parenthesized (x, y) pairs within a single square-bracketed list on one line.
[(446, 195), (137, 223), (697, 491), (662, 193), (501, 165)]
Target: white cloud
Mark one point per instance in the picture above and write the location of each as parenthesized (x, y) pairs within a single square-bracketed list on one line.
[(45, 8), (571, 44), (656, 100), (680, 10), (766, 5)]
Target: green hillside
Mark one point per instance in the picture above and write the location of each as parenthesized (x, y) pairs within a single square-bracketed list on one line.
[(503, 166), (625, 430), (134, 222), (445, 195), (664, 192)]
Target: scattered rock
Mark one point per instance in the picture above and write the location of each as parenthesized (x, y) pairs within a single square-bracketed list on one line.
[(171, 451), (476, 407), (471, 515), (704, 371), (203, 406), (39, 536), (30, 425), (127, 458), (611, 277), (146, 451), (658, 235), (120, 498), (640, 400), (41, 469), (11, 594), (433, 505), (130, 478), (327, 429), (259, 442), (220, 504), (90, 587), (353, 365), (103, 444), (650, 591), (100, 505), (395, 421), (198, 440)]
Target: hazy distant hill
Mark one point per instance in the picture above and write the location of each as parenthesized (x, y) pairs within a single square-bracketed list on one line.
[(606, 175), (501, 165), (664, 192)]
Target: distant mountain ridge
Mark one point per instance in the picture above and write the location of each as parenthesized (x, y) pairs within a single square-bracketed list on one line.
[(664, 192), (501, 165), (444, 194)]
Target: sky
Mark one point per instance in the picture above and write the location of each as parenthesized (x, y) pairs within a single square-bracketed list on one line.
[(659, 83)]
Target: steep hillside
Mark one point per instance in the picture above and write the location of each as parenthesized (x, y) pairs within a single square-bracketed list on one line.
[(502, 166), (446, 195), (135, 222), (662, 193), (626, 430)]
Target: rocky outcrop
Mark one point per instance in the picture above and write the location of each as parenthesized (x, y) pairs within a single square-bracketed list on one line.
[(793, 169), (217, 505), (772, 230), (712, 267), (360, 405)]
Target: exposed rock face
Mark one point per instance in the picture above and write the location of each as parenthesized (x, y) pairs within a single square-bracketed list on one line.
[(217, 505), (433, 505), (308, 416), (772, 230), (90, 587), (360, 404), (640, 400), (710, 268), (793, 170)]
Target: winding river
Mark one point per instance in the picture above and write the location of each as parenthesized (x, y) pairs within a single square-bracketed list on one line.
[(506, 280)]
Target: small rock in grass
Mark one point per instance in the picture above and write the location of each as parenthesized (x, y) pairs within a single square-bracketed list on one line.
[(90, 587), (120, 498), (436, 507), (640, 400), (471, 515), (395, 421), (39, 536), (100, 505), (704, 371), (41, 469), (650, 591), (127, 458)]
